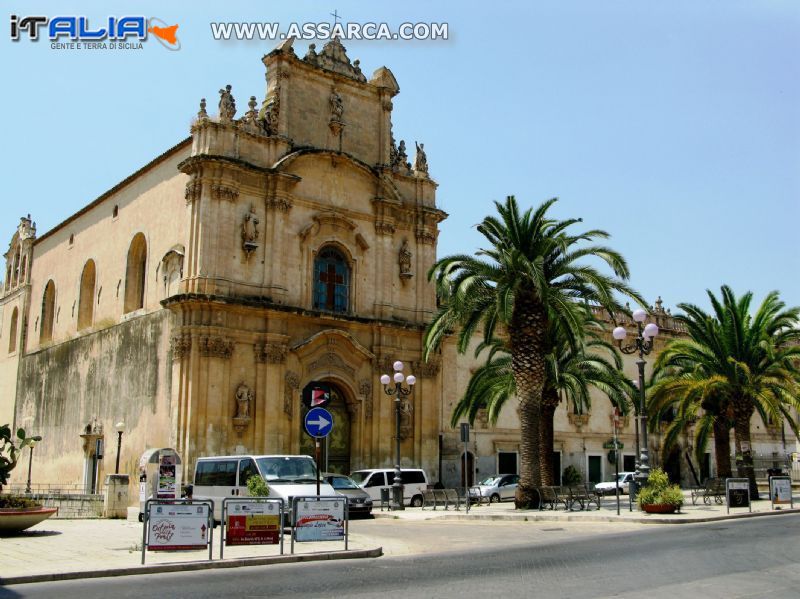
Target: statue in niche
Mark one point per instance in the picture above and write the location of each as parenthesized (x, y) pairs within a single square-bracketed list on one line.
[(421, 159), (337, 108), (244, 398), (227, 104), (404, 259), (250, 232)]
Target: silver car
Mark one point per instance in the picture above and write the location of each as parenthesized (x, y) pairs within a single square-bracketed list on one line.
[(610, 488), (496, 488)]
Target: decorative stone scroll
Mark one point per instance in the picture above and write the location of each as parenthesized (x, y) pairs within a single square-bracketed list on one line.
[(331, 360), (425, 237), (244, 407), (271, 353), (181, 345), (193, 190), (578, 420), (224, 192), (291, 384), (270, 110), (383, 227), (365, 391), (429, 369), (216, 347)]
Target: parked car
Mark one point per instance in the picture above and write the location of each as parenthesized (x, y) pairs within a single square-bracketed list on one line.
[(496, 488), (359, 501), (609, 488), (415, 481), (288, 476)]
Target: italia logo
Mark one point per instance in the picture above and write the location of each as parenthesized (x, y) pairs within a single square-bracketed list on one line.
[(112, 30)]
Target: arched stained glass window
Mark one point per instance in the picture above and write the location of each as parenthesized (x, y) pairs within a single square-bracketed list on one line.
[(331, 281)]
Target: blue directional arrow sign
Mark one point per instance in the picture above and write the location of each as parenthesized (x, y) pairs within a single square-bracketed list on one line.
[(318, 422)]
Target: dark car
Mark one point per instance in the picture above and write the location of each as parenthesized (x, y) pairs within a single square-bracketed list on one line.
[(359, 500)]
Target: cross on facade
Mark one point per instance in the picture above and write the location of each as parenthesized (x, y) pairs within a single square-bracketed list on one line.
[(331, 279)]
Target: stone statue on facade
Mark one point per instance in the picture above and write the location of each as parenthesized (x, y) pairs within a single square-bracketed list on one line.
[(311, 55), (227, 104), (357, 70), (421, 159), (402, 156), (404, 259), (337, 108), (250, 232), (244, 398)]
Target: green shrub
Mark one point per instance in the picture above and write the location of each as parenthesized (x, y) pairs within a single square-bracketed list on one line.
[(571, 476), (658, 491), (257, 486), (15, 501)]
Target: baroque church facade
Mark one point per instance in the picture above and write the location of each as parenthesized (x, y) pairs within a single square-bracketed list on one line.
[(276, 246)]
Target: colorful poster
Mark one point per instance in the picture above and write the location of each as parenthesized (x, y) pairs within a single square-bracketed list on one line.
[(177, 527), (780, 490), (252, 523), (321, 520), (166, 478)]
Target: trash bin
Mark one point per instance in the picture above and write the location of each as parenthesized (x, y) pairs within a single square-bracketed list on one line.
[(386, 494)]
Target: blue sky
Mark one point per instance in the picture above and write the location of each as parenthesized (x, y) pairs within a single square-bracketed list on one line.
[(675, 126)]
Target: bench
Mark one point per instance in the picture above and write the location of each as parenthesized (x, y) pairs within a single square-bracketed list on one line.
[(547, 496), (714, 488), (584, 497)]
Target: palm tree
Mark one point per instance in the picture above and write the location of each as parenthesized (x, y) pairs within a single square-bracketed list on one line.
[(529, 277), (732, 365), (571, 372)]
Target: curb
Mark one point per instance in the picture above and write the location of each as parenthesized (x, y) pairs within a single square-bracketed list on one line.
[(192, 566), (567, 517)]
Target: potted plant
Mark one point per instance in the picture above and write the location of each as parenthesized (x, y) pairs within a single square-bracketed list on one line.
[(658, 496), (17, 513)]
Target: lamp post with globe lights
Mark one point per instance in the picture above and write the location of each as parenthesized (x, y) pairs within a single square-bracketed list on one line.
[(643, 345), (399, 392)]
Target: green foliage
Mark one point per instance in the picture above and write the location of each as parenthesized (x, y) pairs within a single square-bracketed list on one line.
[(257, 486), (571, 476), (658, 491), (15, 501), (10, 450)]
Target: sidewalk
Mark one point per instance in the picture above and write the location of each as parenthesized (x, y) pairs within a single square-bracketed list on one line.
[(57, 549), (607, 513)]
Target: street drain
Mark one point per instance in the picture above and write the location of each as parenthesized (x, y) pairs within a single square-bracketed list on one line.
[(551, 529)]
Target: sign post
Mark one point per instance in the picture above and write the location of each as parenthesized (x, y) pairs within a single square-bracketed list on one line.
[(737, 493), (318, 423), (616, 455), (465, 440), (780, 491)]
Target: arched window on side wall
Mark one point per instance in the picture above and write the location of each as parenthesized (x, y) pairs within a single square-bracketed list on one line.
[(86, 297), (134, 274), (12, 335), (48, 312), (331, 281)]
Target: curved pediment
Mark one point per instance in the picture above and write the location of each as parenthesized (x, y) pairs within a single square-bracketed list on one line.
[(332, 338)]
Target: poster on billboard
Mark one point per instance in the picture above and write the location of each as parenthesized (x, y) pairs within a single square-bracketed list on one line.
[(167, 477), (177, 527), (780, 490), (737, 493), (252, 523), (319, 520)]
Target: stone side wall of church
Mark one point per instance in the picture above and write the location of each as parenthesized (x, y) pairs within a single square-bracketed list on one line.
[(122, 373)]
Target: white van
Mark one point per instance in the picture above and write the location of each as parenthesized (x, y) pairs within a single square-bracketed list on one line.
[(288, 476), (414, 480)]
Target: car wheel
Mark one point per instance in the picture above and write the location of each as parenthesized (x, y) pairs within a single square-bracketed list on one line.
[(416, 501), (495, 498)]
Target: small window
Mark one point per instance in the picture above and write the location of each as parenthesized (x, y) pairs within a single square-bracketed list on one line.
[(216, 474), (377, 480), (71, 238), (12, 339), (247, 468), (115, 212)]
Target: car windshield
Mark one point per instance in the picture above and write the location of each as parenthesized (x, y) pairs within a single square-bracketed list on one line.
[(490, 482), (621, 477), (288, 469), (342, 482), (359, 477)]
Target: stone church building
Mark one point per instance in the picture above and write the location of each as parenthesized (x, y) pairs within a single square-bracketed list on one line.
[(279, 244)]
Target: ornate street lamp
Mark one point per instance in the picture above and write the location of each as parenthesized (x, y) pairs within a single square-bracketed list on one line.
[(643, 344), (399, 392), (31, 444), (120, 426)]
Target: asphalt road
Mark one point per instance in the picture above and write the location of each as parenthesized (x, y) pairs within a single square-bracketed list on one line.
[(757, 557)]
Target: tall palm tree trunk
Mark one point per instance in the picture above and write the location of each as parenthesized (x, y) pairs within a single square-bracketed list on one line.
[(722, 446), (550, 401), (527, 340), (742, 412)]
